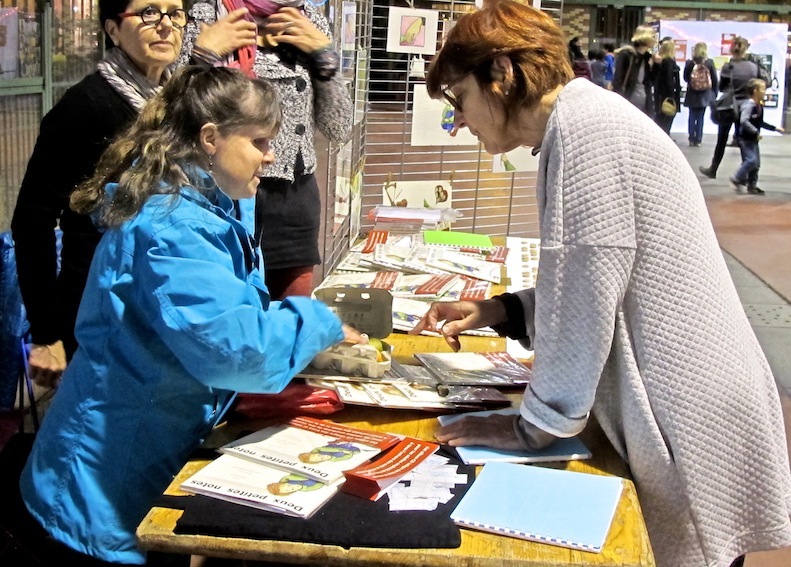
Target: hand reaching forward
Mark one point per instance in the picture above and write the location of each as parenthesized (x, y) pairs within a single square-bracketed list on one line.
[(292, 26), (508, 432), (352, 335), (496, 431), (46, 364), (228, 34), (452, 317)]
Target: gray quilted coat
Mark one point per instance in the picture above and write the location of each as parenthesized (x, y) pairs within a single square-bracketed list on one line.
[(636, 319)]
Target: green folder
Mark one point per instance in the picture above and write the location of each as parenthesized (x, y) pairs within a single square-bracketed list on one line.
[(451, 238)]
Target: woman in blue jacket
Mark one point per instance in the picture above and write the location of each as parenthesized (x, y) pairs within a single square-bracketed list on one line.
[(175, 316)]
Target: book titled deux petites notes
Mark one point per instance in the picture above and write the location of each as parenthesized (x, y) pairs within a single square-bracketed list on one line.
[(557, 507)]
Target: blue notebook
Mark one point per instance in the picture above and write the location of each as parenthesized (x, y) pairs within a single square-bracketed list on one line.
[(557, 507), (570, 449)]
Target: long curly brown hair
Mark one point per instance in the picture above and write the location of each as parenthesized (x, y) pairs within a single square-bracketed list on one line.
[(150, 157)]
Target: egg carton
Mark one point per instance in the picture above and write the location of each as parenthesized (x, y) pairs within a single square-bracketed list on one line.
[(354, 360)]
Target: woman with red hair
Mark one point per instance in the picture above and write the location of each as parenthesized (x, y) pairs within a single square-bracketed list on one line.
[(634, 317)]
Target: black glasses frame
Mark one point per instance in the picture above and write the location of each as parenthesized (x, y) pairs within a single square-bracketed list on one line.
[(152, 16), (447, 93)]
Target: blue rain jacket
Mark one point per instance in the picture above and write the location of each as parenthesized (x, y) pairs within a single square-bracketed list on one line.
[(175, 317)]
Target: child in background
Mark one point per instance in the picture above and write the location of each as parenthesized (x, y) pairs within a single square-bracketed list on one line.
[(751, 120)]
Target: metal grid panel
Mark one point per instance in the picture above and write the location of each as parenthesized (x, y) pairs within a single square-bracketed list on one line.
[(492, 203), (335, 238)]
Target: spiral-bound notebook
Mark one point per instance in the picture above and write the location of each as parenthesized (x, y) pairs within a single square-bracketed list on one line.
[(552, 506)]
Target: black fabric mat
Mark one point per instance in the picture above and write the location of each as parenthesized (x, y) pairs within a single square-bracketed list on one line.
[(346, 520)]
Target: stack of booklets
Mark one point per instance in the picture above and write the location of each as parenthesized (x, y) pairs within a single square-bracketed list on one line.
[(440, 253), (373, 479), (292, 468), (408, 387)]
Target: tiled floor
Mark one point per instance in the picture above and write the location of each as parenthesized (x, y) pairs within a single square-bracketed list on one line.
[(755, 234)]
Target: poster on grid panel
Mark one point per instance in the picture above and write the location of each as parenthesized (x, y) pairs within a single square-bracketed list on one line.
[(766, 40)]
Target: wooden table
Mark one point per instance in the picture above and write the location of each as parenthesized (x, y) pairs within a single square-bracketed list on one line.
[(627, 542)]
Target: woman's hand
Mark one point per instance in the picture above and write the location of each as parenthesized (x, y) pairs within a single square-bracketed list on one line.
[(292, 26), (227, 35), (495, 431), (46, 364), (352, 335), (451, 318)]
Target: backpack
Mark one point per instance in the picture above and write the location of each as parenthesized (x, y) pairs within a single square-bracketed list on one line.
[(700, 79)]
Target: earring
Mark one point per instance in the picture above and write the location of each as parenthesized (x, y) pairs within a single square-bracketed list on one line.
[(211, 164), (506, 92)]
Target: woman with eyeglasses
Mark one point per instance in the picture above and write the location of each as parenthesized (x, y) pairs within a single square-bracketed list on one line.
[(142, 38), (634, 318)]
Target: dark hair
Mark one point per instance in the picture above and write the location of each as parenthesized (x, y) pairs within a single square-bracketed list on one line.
[(575, 51), (528, 37), (152, 155), (109, 10), (608, 47), (596, 54)]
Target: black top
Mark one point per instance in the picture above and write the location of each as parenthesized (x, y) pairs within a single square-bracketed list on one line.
[(72, 137), (666, 81)]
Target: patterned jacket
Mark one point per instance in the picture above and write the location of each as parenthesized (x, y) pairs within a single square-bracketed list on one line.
[(307, 104)]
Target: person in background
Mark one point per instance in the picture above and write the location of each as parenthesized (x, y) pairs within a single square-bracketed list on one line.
[(579, 63), (666, 83), (633, 282), (175, 274), (734, 75), (701, 78), (598, 67), (751, 120), (634, 70), (294, 52), (609, 59), (142, 38)]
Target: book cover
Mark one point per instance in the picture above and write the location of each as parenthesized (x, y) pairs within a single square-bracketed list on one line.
[(474, 289), (464, 264), (570, 449), (557, 507), (312, 447), (244, 482), (391, 257), (371, 480), (457, 238), (476, 368), (362, 280), (424, 286), (407, 312), (392, 396)]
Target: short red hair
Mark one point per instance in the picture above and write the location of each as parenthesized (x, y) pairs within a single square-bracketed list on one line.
[(530, 38)]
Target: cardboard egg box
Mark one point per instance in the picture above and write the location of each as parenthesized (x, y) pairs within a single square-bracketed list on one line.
[(368, 310)]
